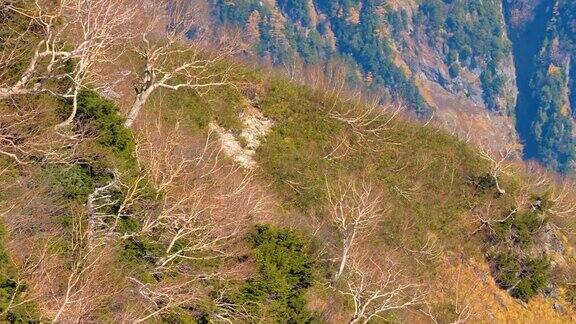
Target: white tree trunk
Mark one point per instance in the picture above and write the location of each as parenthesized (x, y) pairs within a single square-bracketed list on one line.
[(500, 190), (19, 88), (356, 319), (345, 251), (72, 115), (347, 244), (139, 102), (8, 92)]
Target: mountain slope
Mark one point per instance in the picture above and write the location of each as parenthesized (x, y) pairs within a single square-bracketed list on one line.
[(451, 57), (161, 223), (434, 194)]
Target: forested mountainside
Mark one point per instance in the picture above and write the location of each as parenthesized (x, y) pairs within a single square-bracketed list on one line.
[(147, 177), (543, 34), (451, 58)]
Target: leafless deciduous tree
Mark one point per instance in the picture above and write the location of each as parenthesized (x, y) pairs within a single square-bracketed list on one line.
[(354, 211), (431, 251), (374, 290), (170, 60), (96, 28), (47, 55), (463, 305), (82, 293), (204, 208), (26, 137), (365, 119), (487, 216), (563, 197), (66, 287), (465, 285), (81, 32), (560, 190), (184, 291), (23, 292), (500, 163), (367, 122), (159, 298)]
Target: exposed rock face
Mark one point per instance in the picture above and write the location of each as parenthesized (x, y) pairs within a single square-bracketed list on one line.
[(256, 127), (428, 59), (521, 11), (459, 101), (509, 96), (429, 64), (242, 148), (552, 243), (543, 37)]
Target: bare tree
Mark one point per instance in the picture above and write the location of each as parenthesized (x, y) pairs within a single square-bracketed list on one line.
[(47, 55), (463, 305), (375, 290), (204, 209), (171, 61), (22, 291), (186, 291), (354, 211), (485, 216), (464, 285), (564, 200), (65, 273), (81, 293), (81, 32), (159, 298), (205, 204), (25, 136), (96, 28), (500, 163), (431, 251), (70, 285), (366, 119)]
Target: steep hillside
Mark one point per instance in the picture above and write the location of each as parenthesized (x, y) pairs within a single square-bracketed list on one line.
[(239, 195), (450, 59)]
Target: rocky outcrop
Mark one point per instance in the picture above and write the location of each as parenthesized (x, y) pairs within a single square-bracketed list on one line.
[(242, 148), (509, 96)]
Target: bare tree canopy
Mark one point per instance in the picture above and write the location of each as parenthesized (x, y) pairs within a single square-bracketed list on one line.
[(354, 211), (76, 37), (376, 289), (172, 61)]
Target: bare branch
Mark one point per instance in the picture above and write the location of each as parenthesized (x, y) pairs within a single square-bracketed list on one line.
[(97, 27), (25, 138), (80, 32), (170, 60), (375, 290), (354, 210), (368, 123), (500, 163)]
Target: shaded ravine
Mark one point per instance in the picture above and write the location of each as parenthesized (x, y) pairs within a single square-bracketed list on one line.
[(526, 43)]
